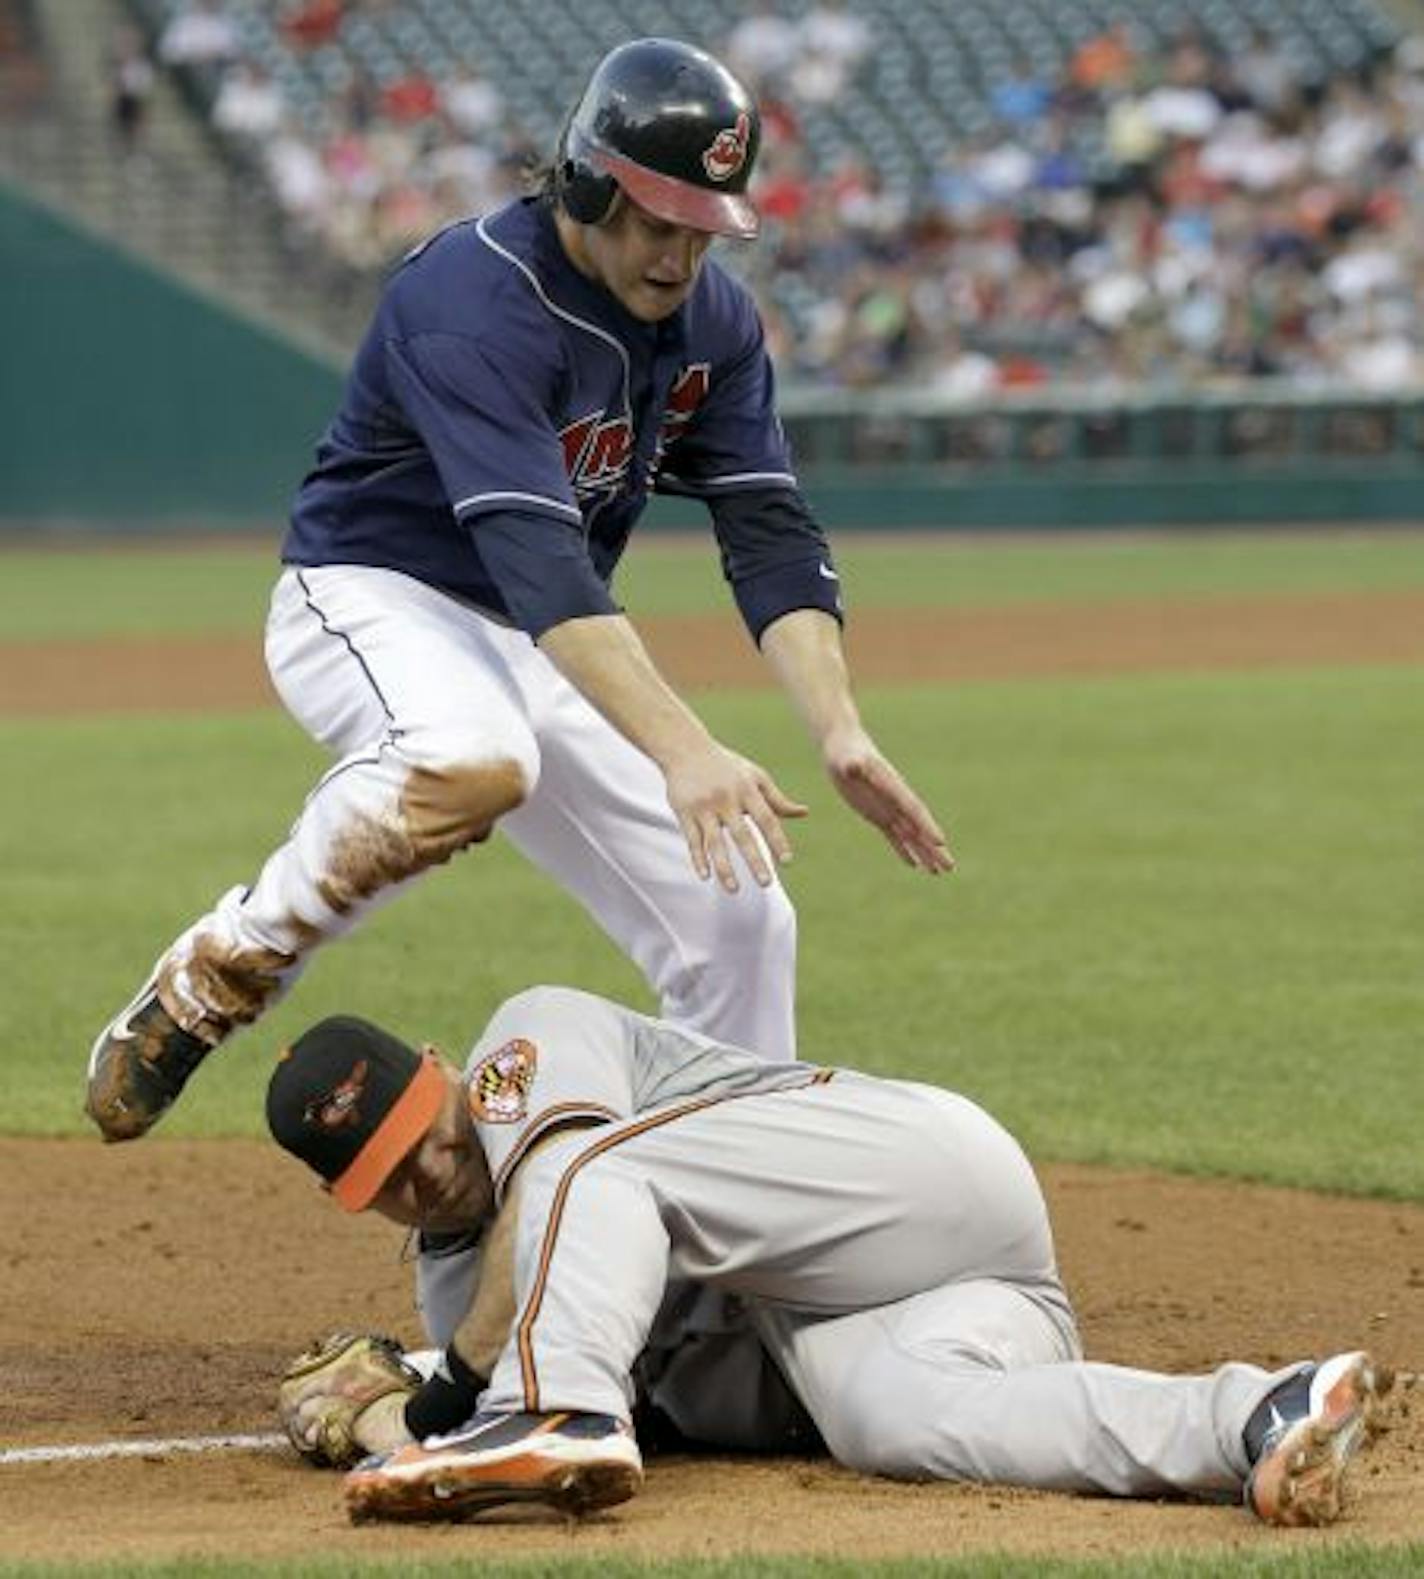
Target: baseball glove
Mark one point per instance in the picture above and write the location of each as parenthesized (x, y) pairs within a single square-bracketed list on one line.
[(330, 1398)]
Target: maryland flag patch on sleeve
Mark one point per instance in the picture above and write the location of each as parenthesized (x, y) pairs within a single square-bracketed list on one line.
[(499, 1085)]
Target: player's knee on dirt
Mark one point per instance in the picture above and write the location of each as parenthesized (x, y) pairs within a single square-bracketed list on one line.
[(874, 1426), (904, 1450)]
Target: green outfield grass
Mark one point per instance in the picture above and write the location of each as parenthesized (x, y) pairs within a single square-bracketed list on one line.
[(1185, 903), (108, 589)]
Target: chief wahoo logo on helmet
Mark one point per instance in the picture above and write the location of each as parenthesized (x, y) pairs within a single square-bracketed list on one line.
[(728, 152)]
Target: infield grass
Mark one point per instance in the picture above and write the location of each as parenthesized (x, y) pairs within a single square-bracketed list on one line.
[(1180, 896), (1183, 900), (100, 588)]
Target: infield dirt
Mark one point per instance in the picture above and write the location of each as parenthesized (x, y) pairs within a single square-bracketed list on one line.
[(887, 647), (157, 1290)]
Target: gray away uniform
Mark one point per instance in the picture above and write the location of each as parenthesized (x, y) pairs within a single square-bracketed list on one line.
[(888, 1239)]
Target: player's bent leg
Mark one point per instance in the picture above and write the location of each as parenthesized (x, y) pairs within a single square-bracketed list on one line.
[(352, 650), (372, 826), (553, 1422), (968, 1383)]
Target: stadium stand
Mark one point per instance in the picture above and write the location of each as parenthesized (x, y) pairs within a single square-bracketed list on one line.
[(975, 200), (1070, 261), (972, 199), (22, 74)]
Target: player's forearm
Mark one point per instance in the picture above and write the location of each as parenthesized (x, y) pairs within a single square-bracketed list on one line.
[(805, 651), (451, 1394), (723, 802), (605, 658)]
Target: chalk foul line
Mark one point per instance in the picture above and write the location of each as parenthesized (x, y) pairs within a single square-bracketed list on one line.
[(158, 1447)]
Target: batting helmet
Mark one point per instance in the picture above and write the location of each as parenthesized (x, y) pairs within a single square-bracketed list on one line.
[(673, 128)]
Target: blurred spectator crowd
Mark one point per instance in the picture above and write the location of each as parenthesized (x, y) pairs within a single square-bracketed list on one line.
[(1154, 213), (387, 162), (1170, 217)]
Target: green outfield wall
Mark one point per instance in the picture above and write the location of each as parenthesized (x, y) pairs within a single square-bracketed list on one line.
[(130, 401)]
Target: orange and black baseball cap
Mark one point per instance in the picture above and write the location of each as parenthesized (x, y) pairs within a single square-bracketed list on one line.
[(351, 1101)]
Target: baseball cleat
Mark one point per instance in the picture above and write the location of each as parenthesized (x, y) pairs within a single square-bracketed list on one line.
[(139, 1064), (1306, 1432), (575, 1463)]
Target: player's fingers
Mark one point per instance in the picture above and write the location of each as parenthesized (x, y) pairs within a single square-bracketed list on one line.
[(696, 846), (780, 802), (744, 832), (763, 816), (897, 795), (921, 822), (904, 818), (898, 844), (721, 858), (936, 857), (919, 848), (922, 835), (708, 848)]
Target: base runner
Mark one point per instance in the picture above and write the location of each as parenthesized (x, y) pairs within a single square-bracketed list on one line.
[(889, 1240), (445, 625)]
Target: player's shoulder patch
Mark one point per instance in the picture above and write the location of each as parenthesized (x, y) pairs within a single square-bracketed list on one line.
[(499, 1084)]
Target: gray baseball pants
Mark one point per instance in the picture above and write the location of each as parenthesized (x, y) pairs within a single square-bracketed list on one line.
[(894, 1247)]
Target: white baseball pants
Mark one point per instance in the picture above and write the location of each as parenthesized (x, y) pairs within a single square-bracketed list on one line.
[(446, 722)]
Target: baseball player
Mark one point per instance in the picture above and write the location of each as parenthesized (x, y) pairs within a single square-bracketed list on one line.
[(888, 1238), (444, 624)]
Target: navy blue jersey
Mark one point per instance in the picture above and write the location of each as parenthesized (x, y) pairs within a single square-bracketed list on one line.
[(499, 385)]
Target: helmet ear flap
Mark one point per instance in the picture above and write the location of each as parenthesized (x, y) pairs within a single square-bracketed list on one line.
[(584, 193)]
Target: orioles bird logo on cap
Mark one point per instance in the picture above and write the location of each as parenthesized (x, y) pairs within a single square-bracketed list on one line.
[(728, 151), (337, 1108)]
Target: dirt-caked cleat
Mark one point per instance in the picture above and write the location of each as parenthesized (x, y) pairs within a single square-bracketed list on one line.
[(1304, 1434), (139, 1064), (575, 1463)]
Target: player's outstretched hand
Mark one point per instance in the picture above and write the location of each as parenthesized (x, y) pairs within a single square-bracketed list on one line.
[(870, 784), (723, 799)]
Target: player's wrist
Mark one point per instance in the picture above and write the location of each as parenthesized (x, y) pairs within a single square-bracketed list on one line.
[(674, 736), (446, 1400)]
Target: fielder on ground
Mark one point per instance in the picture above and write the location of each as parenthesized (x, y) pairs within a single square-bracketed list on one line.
[(887, 1239)]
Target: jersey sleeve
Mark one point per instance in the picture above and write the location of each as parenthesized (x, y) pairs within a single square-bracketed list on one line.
[(447, 1273), (734, 440), (774, 556), (487, 425), (551, 1057), (541, 568)]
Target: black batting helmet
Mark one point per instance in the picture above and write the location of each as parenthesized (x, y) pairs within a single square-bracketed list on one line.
[(673, 128)]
